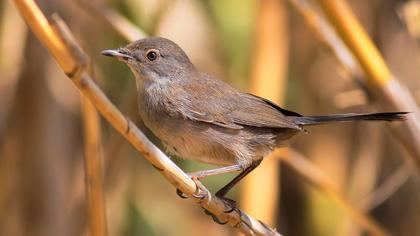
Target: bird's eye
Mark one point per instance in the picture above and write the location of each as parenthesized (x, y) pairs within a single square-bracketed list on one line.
[(152, 55)]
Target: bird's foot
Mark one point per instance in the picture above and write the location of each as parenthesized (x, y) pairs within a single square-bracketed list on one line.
[(197, 175), (214, 217), (200, 194), (229, 203), (231, 206), (181, 194)]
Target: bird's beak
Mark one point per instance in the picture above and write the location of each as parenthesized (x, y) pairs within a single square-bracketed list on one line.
[(118, 53)]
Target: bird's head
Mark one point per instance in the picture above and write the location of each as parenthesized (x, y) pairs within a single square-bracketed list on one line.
[(154, 59)]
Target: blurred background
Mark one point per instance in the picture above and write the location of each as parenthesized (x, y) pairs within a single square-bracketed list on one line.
[(262, 46)]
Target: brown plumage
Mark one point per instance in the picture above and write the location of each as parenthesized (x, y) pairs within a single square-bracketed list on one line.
[(201, 118)]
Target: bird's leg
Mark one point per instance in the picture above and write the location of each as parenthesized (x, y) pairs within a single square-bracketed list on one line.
[(223, 191), (218, 171), (204, 173)]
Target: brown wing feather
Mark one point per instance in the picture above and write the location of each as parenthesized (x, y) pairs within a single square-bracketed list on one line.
[(256, 112), (218, 103)]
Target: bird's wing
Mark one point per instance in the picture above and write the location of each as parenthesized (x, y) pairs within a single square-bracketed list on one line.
[(213, 101), (260, 112)]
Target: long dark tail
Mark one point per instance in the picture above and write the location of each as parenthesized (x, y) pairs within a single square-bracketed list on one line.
[(319, 120)]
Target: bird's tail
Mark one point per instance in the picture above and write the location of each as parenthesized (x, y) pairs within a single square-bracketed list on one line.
[(320, 120)]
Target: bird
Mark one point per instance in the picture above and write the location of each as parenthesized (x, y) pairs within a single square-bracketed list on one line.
[(201, 118)]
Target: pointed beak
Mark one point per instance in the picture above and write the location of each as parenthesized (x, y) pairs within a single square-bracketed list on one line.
[(118, 53)]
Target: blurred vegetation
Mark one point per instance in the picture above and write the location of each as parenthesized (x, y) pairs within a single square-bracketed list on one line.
[(42, 188)]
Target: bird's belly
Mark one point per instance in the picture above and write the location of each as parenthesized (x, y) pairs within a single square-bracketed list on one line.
[(187, 140)]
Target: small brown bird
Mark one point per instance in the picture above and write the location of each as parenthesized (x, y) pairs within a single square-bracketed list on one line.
[(201, 118)]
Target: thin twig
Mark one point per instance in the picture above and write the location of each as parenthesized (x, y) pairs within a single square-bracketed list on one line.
[(387, 188), (319, 179), (68, 57), (119, 23)]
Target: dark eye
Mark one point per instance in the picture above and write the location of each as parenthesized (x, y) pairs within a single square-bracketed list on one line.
[(152, 55)]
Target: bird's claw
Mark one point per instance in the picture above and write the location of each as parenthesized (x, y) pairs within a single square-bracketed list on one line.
[(181, 194), (214, 217), (228, 202), (231, 209), (195, 175), (200, 194), (231, 204)]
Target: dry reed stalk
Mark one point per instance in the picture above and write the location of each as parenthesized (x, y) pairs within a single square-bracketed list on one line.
[(396, 96), (380, 79), (58, 39), (94, 170), (328, 37), (92, 144)]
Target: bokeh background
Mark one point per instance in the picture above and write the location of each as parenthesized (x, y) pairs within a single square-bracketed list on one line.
[(262, 46)]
